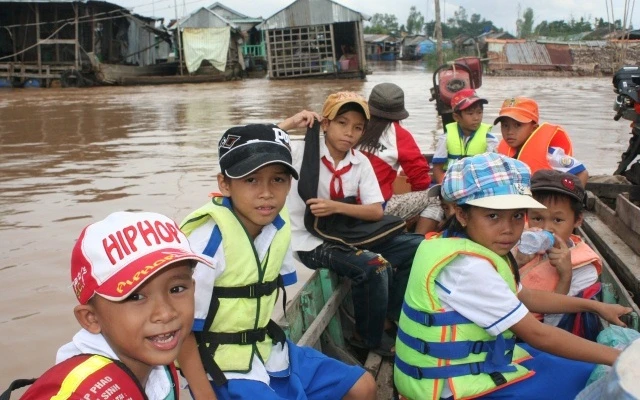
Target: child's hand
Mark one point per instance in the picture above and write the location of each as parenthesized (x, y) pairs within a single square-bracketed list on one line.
[(560, 257), (323, 207), (521, 258), (303, 119), (612, 312)]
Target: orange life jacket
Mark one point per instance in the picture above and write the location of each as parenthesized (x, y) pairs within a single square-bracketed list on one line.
[(539, 274), (534, 151)]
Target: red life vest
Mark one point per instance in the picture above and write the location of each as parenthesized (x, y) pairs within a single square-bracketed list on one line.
[(90, 377), (534, 151), (539, 274)]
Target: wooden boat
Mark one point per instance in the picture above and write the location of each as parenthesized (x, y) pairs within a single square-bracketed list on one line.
[(319, 315)]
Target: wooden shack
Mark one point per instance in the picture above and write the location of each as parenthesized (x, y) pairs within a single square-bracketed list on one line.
[(315, 38), (63, 39)]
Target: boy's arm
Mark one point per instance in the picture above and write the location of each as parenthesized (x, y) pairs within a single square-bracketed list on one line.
[(193, 370), (562, 343), (303, 119), (554, 303), (325, 207), (560, 257), (438, 172)]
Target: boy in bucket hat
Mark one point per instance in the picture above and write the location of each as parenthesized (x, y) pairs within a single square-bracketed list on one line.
[(465, 137), (132, 274), (465, 281), (570, 267), (390, 146), (246, 231), (540, 146)]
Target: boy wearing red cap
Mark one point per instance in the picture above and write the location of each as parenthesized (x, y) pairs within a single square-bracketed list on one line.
[(540, 146), (132, 274), (465, 137)]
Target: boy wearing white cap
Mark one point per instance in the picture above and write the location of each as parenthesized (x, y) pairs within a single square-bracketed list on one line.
[(132, 274), (247, 233)]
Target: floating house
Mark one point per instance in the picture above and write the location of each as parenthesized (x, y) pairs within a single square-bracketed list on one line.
[(253, 46), (382, 47), (211, 44), (410, 47), (582, 57), (315, 38), (76, 42)]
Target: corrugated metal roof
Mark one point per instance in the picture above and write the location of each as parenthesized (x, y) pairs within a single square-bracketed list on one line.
[(414, 40), (205, 18), (527, 53), (309, 13), (379, 38)]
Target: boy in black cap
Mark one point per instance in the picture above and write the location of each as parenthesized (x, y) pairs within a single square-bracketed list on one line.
[(247, 233), (570, 267)]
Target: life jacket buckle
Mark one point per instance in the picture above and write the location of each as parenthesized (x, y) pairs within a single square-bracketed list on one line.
[(477, 347), (428, 320), (475, 368)]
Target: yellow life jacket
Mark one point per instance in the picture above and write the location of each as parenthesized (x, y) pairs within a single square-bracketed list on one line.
[(456, 149), (434, 344), (539, 274), (240, 328)]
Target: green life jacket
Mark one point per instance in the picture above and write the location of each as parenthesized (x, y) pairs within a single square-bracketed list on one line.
[(456, 149), (434, 345), (238, 323)]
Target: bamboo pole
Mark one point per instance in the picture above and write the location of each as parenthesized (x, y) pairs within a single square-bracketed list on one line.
[(179, 39), (438, 29), (38, 48)]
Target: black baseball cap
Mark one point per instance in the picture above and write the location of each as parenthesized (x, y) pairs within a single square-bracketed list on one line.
[(243, 150)]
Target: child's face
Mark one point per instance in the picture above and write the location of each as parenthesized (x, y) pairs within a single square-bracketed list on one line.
[(148, 328), (448, 208), (470, 118), (343, 132), (497, 230), (557, 218), (259, 197), (516, 133)]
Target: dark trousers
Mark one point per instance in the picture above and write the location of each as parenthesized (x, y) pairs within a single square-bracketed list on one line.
[(378, 276)]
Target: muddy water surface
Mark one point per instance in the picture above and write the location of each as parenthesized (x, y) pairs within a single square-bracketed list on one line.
[(70, 156)]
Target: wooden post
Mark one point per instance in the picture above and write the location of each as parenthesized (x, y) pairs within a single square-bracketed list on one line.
[(178, 31), (55, 26), (333, 49), (438, 29), (38, 49), (265, 38), (77, 46), (361, 50)]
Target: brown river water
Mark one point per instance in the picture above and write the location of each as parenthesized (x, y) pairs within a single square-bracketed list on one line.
[(71, 156)]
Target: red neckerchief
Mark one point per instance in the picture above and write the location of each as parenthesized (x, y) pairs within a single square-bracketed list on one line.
[(337, 177)]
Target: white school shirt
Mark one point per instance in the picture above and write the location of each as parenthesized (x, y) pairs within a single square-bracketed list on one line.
[(359, 181), (491, 305), (278, 362)]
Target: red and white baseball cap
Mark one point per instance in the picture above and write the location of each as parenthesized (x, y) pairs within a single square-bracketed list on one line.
[(113, 257), (465, 98)]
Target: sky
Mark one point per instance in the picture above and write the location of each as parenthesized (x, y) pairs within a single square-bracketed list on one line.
[(503, 13)]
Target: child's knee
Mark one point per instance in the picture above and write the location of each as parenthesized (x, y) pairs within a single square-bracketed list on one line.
[(364, 388)]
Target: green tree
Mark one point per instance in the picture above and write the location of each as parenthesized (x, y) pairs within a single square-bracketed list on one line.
[(415, 21), (525, 25), (382, 23)]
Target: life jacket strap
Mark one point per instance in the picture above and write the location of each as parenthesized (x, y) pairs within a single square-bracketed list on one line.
[(249, 336), (452, 350), (450, 371), (253, 291), (15, 385), (436, 319)]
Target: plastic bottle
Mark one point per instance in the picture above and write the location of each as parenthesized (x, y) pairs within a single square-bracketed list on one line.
[(532, 242)]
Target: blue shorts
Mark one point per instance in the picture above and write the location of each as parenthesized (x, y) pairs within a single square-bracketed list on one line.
[(555, 378), (314, 376)]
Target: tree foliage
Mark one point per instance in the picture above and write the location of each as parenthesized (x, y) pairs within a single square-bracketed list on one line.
[(561, 28), (382, 24), (525, 25), (415, 22)]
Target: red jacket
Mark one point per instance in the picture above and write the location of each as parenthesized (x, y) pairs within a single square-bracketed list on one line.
[(397, 148)]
